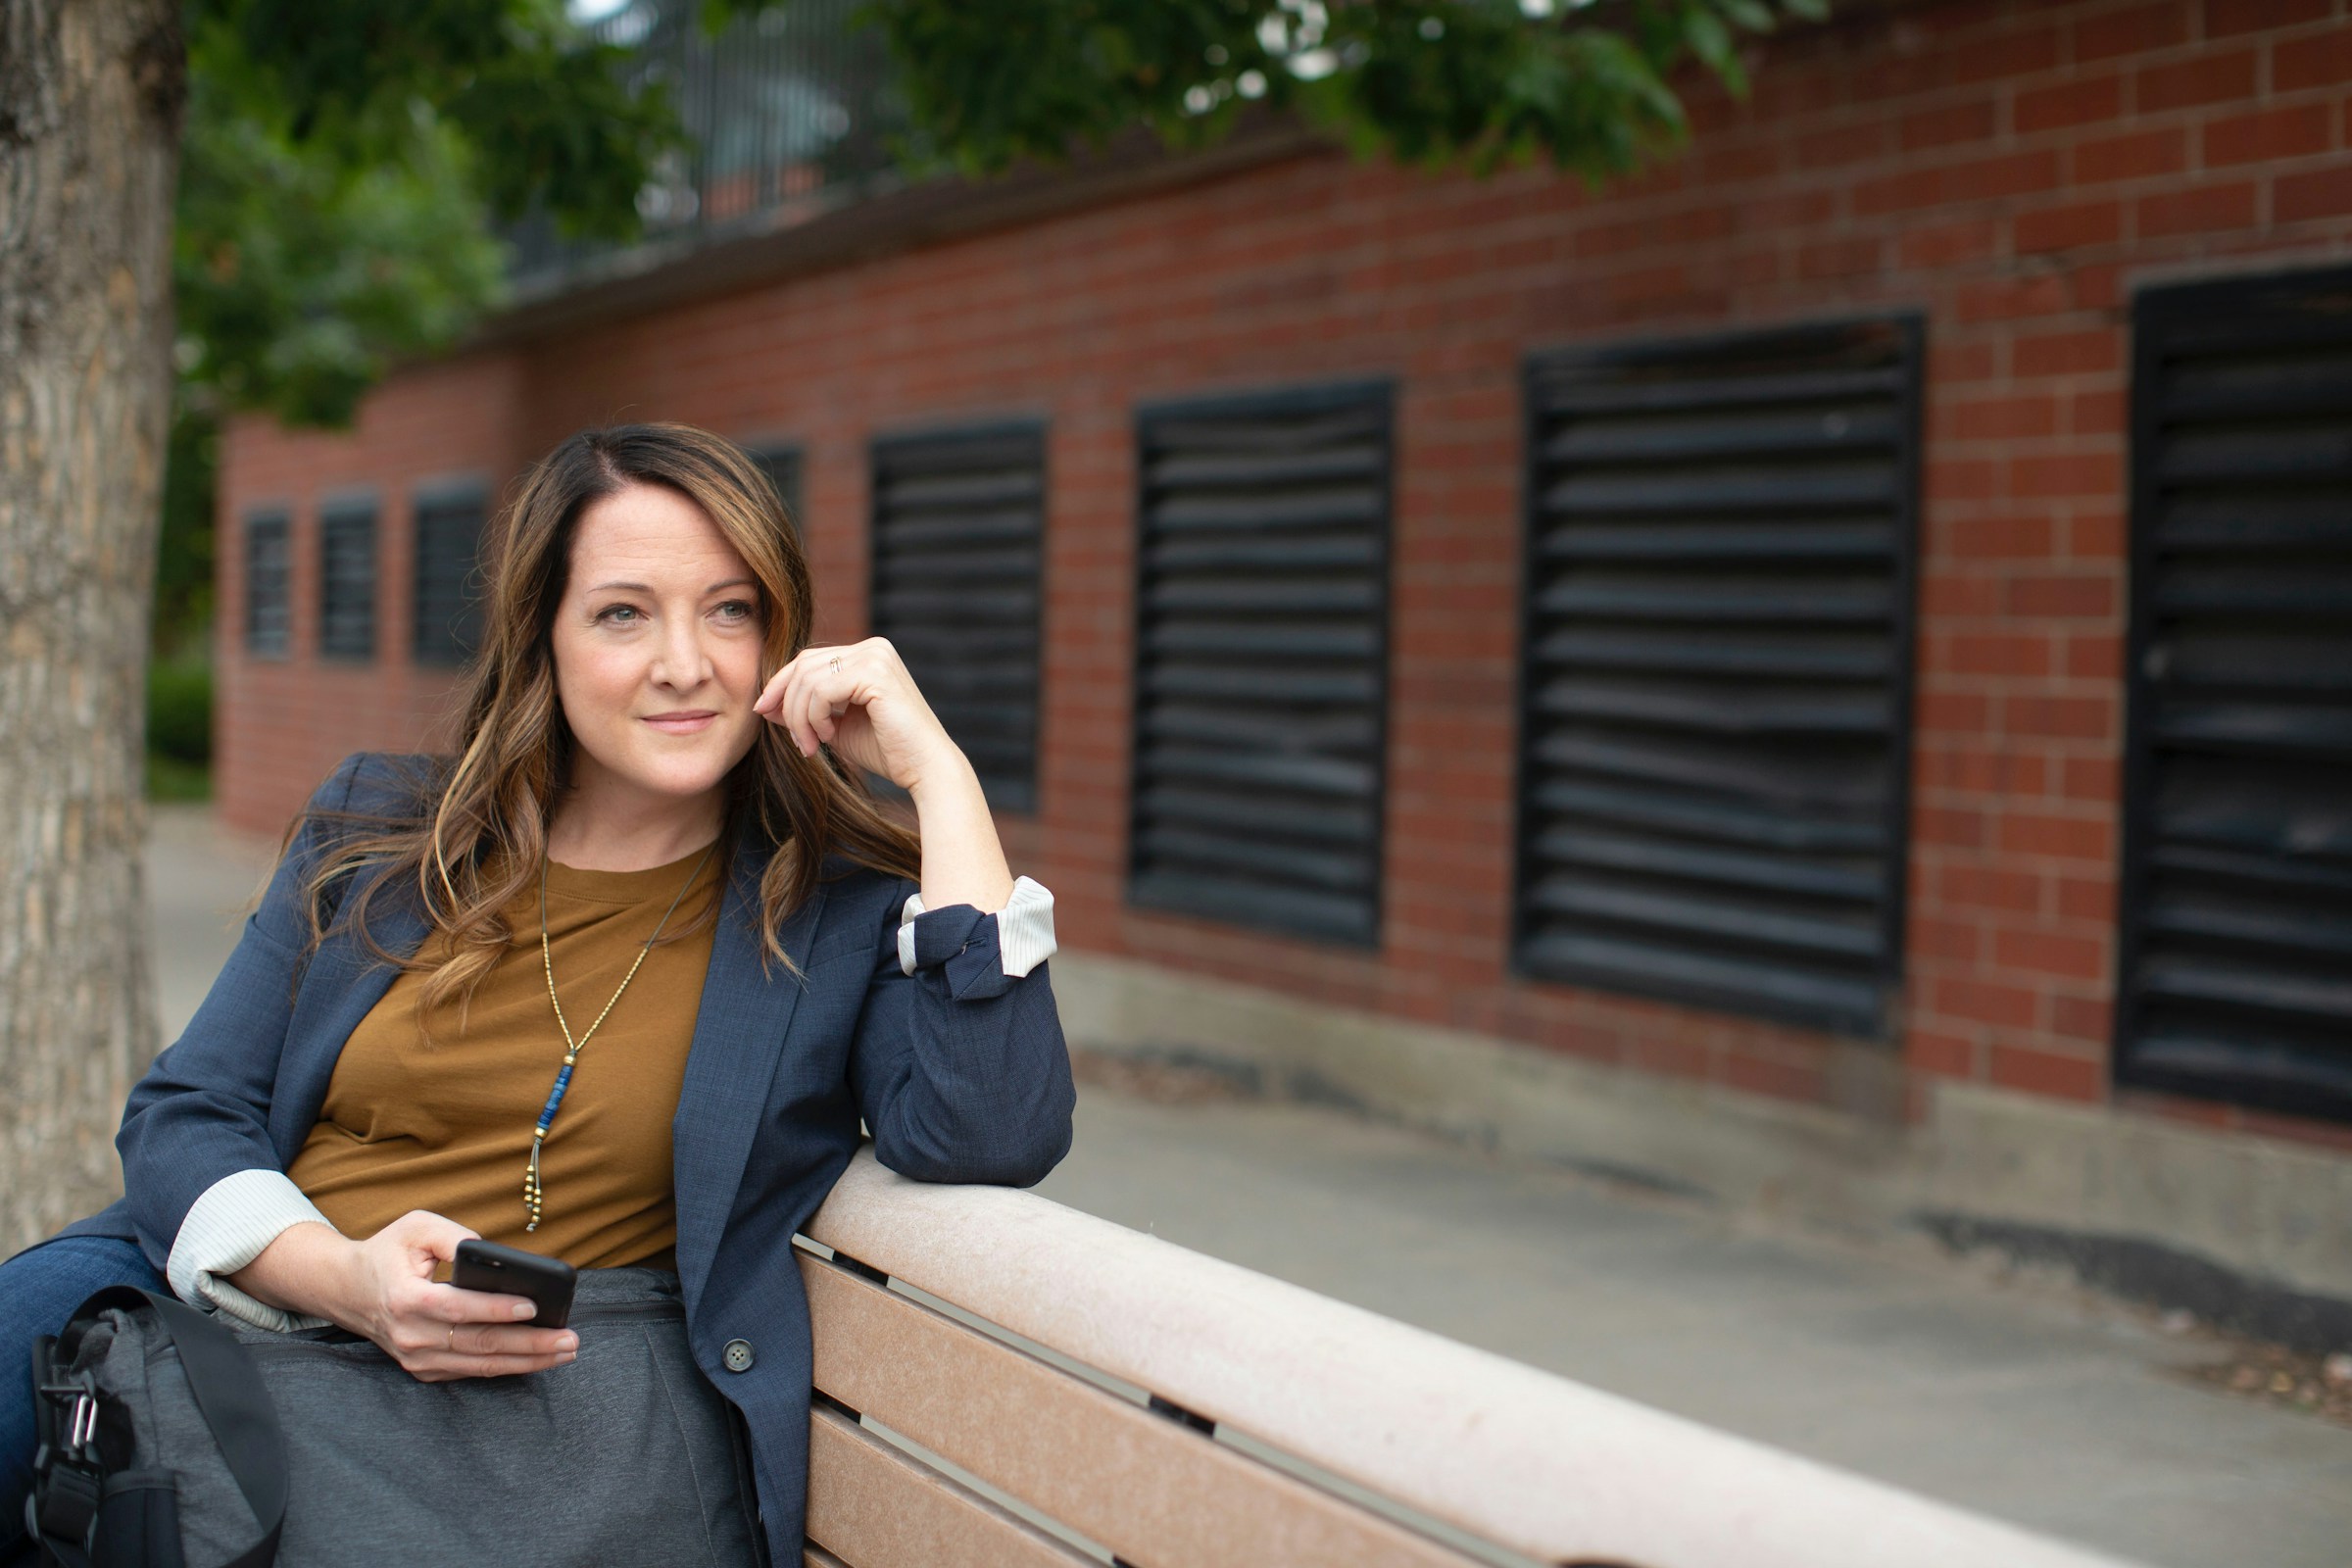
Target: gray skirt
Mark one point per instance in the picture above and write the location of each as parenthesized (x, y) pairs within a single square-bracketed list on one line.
[(625, 1456)]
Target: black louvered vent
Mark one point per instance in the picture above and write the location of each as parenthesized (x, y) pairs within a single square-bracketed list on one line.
[(269, 595), (347, 580), (1715, 713), (2236, 906), (449, 542), (959, 537), (782, 465), (1262, 656)]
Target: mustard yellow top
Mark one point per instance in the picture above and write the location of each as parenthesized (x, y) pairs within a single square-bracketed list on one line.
[(445, 1123)]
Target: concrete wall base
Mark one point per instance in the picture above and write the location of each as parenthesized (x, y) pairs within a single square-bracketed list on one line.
[(2245, 1231)]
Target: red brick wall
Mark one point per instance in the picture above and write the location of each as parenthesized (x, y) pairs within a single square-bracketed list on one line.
[(2013, 170), (281, 724)]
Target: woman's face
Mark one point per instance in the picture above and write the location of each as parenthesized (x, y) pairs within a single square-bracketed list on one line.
[(657, 647)]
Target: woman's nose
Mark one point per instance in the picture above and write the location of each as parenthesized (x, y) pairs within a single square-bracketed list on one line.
[(681, 662)]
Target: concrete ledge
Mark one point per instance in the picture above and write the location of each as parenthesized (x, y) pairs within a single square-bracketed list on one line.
[(2249, 1219)]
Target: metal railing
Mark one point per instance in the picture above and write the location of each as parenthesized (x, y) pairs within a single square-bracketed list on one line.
[(789, 114)]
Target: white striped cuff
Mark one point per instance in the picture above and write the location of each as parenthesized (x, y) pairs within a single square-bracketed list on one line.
[(226, 1229), (1024, 930)]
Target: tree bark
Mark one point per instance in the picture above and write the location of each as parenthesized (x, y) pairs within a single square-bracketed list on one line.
[(90, 106)]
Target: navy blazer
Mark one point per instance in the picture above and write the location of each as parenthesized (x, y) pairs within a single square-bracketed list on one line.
[(958, 1069)]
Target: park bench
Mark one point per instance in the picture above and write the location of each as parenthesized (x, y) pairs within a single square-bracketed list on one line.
[(1006, 1382)]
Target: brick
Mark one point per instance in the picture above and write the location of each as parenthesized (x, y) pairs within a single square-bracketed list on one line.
[(2195, 211), (1952, 710), (2073, 352), (1960, 942), (2209, 78), (1978, 180), (1947, 125), (2007, 298), (1759, 1074), (1930, 244), (2046, 1072), (2002, 652), (2067, 106), (2138, 30), (2322, 59), (1942, 1054), (2015, 536), (2062, 595), (2094, 655), (1948, 826), (2133, 155), (2091, 780), (2013, 52), (1840, 257), (2063, 838), (2004, 1006), (2088, 898), (2296, 131), (2224, 18), (2009, 417), (2073, 718), (1986, 888), (2050, 952), (2071, 227), (2322, 193), (2068, 473), (2095, 412)]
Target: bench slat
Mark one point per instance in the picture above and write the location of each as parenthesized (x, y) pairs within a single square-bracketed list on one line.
[(1552, 1469), (871, 1505), (1149, 1488)]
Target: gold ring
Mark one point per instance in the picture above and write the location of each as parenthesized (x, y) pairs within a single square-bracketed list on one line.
[(453, 1339), (837, 663)]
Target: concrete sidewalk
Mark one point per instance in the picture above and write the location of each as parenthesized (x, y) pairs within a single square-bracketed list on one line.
[(2033, 1403)]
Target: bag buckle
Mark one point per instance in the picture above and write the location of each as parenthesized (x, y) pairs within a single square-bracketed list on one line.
[(80, 1396)]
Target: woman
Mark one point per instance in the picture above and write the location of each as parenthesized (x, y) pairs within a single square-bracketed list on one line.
[(617, 984)]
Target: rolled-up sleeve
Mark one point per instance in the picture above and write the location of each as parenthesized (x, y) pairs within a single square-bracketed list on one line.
[(958, 1063)]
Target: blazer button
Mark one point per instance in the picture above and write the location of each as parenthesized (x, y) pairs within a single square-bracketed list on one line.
[(737, 1355)]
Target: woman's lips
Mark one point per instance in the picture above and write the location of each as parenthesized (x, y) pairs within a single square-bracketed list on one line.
[(689, 722)]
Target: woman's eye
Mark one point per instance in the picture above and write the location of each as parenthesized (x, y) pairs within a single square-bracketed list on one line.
[(619, 614), (735, 611)]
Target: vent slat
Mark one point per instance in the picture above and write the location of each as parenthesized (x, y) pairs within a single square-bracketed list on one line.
[(2236, 912), (1719, 620), (1705, 918), (1261, 652), (1751, 599), (1257, 813), (1336, 917), (1829, 658), (958, 550), (1743, 542)]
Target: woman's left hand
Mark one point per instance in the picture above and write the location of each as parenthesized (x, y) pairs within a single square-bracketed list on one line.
[(860, 699)]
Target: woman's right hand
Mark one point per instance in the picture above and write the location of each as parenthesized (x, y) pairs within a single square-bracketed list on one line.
[(382, 1288)]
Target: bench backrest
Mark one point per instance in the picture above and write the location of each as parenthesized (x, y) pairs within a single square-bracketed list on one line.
[(1039, 1377)]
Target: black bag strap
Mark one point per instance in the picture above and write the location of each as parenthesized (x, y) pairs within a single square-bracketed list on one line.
[(229, 1395)]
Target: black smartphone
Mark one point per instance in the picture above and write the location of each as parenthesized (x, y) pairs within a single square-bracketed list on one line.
[(511, 1271)]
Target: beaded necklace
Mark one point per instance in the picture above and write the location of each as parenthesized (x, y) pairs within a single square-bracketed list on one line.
[(534, 1197)]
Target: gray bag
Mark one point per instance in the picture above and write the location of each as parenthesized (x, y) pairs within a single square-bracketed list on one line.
[(177, 1441)]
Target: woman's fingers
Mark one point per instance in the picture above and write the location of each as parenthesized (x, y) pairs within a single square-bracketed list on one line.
[(449, 1368), (446, 1303), (508, 1343)]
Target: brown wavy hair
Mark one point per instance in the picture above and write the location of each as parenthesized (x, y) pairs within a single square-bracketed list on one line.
[(474, 835)]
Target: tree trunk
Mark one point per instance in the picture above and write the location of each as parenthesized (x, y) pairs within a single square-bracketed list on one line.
[(90, 99)]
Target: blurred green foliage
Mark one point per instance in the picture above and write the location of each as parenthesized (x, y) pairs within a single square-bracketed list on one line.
[(179, 727), (1482, 83)]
